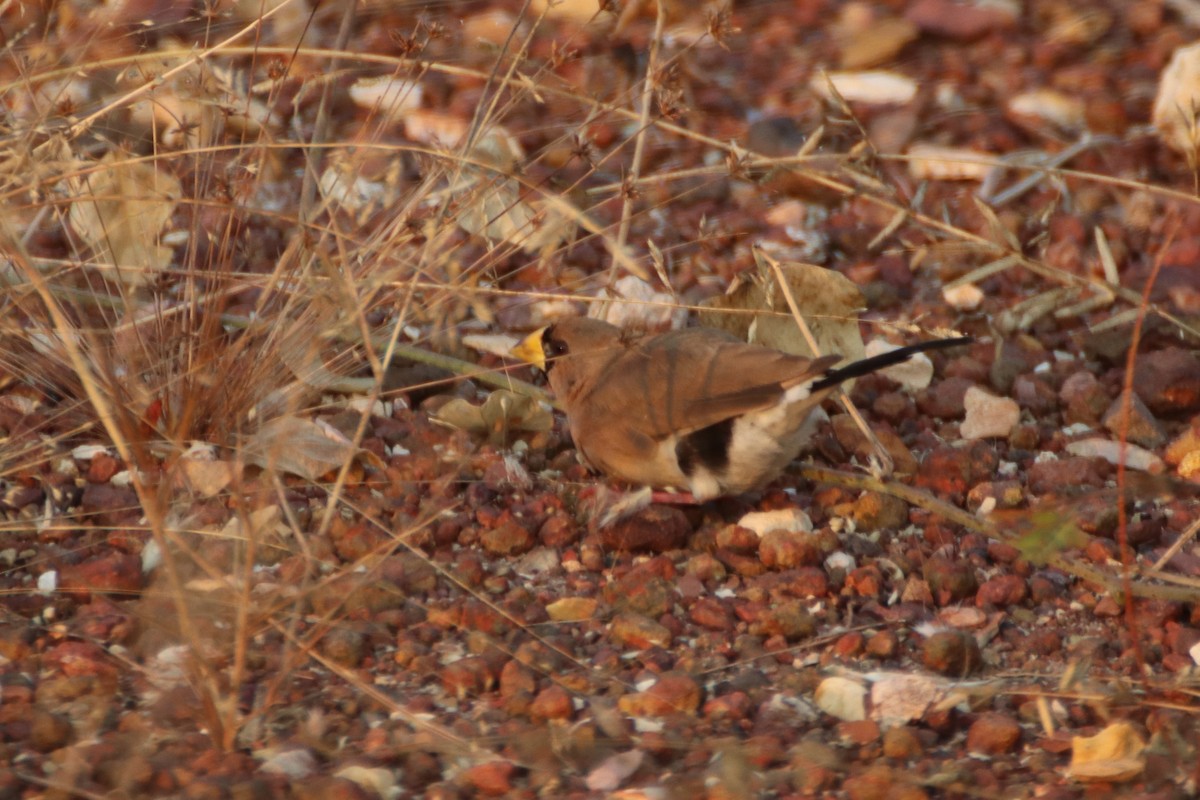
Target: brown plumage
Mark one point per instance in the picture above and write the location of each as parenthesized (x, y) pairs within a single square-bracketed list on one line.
[(695, 409)]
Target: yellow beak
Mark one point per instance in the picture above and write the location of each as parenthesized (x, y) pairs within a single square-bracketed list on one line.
[(530, 350)]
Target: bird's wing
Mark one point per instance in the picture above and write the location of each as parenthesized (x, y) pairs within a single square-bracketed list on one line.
[(680, 382), (615, 440), (717, 407)]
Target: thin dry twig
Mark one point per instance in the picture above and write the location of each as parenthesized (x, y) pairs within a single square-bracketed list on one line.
[(649, 86), (885, 463)]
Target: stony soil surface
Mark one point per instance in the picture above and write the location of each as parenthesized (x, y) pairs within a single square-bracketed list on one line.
[(460, 628)]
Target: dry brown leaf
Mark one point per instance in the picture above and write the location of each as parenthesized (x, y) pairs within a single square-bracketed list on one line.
[(496, 212), (290, 21), (33, 171), (120, 209), (206, 477), (578, 11), (876, 43), (242, 106), (897, 699), (491, 203), (614, 771), (499, 148), (496, 344), (828, 301), (437, 128), (1177, 101), (180, 119), (194, 104), (390, 97), (502, 413), (302, 355), (182, 111), (298, 447), (26, 175), (639, 306), (260, 521), (1113, 754), (492, 26)]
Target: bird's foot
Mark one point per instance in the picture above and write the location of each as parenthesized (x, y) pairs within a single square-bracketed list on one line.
[(606, 506), (675, 498)]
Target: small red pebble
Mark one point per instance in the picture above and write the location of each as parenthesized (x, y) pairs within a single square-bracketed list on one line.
[(492, 779)]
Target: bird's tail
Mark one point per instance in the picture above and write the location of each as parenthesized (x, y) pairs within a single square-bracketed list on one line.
[(868, 365)]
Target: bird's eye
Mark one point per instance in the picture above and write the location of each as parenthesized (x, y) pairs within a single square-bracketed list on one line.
[(554, 348)]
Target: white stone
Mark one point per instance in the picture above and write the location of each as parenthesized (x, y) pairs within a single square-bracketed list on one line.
[(47, 582), (914, 374), (86, 452), (793, 520), (1062, 110), (964, 297), (988, 416), (872, 87), (1136, 457), (842, 698), (295, 764), (932, 162)]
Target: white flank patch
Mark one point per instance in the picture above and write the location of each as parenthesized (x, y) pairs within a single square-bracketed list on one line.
[(797, 393), (703, 484)]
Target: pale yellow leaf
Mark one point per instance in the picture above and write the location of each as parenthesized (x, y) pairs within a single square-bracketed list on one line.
[(1113, 754), (298, 447), (120, 209)]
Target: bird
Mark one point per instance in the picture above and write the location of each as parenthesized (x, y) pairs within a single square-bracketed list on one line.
[(696, 409)]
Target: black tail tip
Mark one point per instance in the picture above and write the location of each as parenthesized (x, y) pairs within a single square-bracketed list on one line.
[(887, 359), (940, 344)]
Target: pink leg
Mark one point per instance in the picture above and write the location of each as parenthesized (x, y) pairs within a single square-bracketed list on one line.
[(606, 505), (675, 498)]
